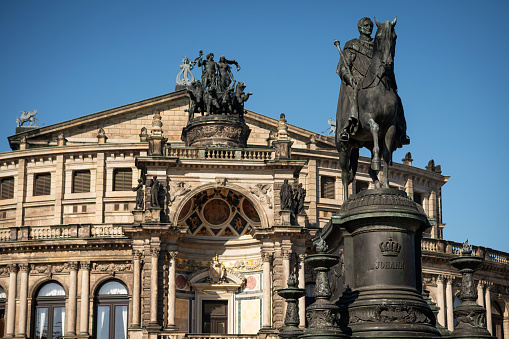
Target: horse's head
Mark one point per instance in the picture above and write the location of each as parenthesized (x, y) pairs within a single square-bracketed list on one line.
[(385, 43)]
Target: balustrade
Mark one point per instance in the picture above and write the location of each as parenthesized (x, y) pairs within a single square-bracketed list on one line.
[(218, 153), (219, 336)]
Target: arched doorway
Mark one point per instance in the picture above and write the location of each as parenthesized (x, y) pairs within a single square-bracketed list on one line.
[(497, 319), (111, 305), (49, 311)]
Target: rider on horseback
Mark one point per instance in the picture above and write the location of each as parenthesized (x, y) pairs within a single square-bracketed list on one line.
[(352, 69)]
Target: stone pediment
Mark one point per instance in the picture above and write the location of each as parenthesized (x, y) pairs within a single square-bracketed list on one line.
[(125, 124)]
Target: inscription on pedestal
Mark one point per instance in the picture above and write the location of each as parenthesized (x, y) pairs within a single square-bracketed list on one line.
[(389, 265)]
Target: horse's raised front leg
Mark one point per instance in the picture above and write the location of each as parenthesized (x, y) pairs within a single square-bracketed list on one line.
[(388, 148), (375, 158)]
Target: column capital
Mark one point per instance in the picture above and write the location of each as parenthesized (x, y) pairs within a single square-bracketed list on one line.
[(13, 268), (24, 267), (481, 284), (449, 279), (286, 253), (267, 256), (302, 256), (137, 254), (85, 265), (440, 279), (155, 252), (73, 265), (172, 254)]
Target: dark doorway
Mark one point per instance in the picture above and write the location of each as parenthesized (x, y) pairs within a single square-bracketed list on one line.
[(215, 316)]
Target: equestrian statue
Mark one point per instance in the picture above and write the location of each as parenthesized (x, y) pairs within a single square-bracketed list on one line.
[(370, 113)]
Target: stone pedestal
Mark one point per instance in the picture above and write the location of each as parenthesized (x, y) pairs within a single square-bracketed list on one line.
[(301, 220), (154, 214), (291, 294), (216, 131), (138, 215), (382, 231), (286, 217), (322, 315), (470, 317)]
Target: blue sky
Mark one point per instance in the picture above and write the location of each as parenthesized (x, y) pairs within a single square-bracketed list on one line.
[(71, 58)]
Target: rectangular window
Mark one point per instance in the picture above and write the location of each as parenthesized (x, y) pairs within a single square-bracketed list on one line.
[(361, 186), (7, 188), (328, 187), (81, 181), (122, 179), (42, 184)]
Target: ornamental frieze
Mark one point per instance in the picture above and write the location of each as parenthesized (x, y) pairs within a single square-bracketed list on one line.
[(111, 267), (239, 265), (389, 313)]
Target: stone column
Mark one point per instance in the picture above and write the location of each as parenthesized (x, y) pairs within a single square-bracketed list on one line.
[(73, 287), (489, 323), (266, 285), (480, 293), (153, 286), (506, 319), (23, 301), (450, 304), (171, 288), (136, 320), (85, 296), (302, 284), (11, 300), (441, 301), (286, 254)]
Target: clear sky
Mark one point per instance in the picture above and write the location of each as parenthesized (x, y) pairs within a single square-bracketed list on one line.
[(71, 58)]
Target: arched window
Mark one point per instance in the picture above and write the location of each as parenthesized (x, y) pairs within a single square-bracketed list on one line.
[(2, 312), (111, 303), (49, 311)]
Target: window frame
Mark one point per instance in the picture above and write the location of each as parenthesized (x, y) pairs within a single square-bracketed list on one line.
[(112, 301), (322, 186), (44, 179), (82, 187), (3, 182), (126, 184), (50, 303)]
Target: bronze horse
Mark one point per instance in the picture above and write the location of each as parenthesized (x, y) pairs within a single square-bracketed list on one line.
[(379, 111)]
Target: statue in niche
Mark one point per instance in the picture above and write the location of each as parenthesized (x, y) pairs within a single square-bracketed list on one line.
[(196, 104), (286, 195), (154, 193), (139, 195), (225, 72), (300, 195)]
